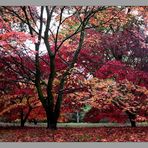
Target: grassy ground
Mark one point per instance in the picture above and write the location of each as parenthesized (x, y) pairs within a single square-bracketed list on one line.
[(83, 134), (77, 124)]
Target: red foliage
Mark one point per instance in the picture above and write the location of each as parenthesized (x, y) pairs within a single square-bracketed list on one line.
[(112, 114), (120, 71)]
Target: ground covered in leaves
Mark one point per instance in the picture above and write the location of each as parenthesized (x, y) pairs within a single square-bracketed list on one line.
[(99, 134)]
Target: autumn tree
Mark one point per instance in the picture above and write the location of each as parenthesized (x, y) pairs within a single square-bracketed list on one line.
[(114, 34), (81, 15), (121, 74), (17, 99), (109, 96)]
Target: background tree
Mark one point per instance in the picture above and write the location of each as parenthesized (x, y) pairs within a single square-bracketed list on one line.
[(111, 97)]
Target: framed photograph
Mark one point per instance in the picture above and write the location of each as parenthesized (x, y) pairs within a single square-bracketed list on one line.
[(73, 71)]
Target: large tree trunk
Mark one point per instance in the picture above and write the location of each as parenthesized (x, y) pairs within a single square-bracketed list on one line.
[(22, 118), (51, 120), (133, 123), (22, 123), (132, 118)]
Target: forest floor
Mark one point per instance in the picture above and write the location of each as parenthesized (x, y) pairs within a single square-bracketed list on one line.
[(72, 134)]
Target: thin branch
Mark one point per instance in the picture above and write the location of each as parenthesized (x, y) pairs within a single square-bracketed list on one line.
[(32, 17), (19, 17), (28, 22), (57, 33), (49, 16), (63, 60)]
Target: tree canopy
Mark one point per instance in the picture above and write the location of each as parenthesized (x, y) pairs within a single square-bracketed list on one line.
[(61, 58)]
